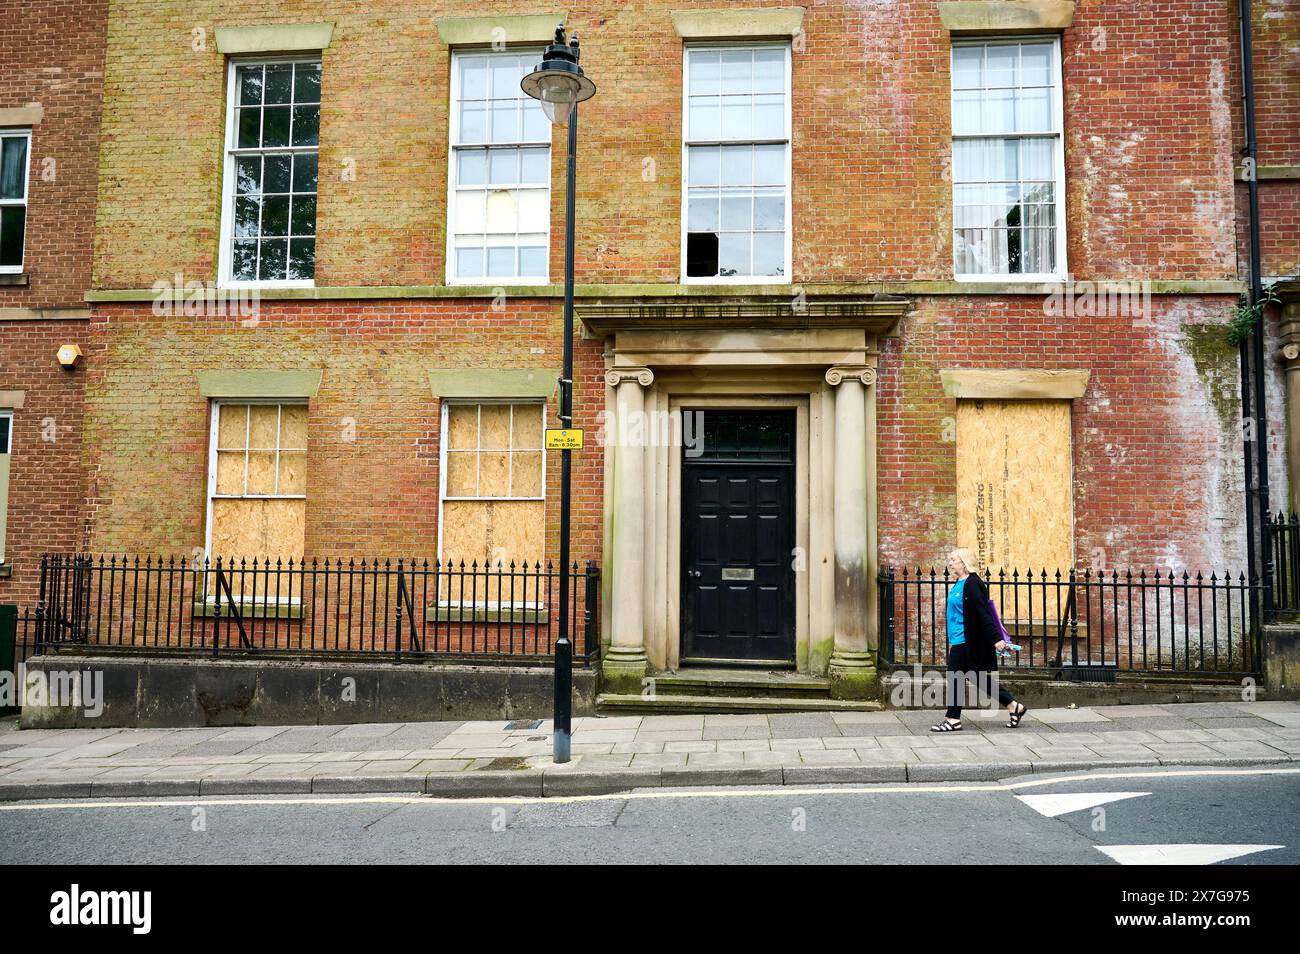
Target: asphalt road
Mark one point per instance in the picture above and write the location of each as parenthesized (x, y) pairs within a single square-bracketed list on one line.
[(1015, 821)]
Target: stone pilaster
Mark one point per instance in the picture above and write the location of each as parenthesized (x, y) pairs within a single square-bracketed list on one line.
[(852, 666), (624, 663)]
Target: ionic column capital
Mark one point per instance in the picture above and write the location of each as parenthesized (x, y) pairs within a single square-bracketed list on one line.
[(1290, 352), (850, 372), (642, 376)]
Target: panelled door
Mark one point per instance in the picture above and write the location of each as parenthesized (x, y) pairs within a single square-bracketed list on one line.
[(738, 538)]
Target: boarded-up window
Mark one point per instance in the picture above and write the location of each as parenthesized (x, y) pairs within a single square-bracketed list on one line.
[(257, 481), (1014, 502), (493, 483)]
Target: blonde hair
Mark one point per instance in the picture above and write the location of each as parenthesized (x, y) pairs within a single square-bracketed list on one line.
[(967, 558)]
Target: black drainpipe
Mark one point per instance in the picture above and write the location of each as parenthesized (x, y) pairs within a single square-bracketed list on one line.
[(1252, 365)]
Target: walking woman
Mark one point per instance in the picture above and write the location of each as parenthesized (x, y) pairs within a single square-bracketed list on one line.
[(973, 642)]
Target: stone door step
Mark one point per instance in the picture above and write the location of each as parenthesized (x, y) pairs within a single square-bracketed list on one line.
[(678, 703), (766, 683)]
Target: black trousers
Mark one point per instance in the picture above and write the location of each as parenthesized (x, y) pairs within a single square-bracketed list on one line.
[(958, 692)]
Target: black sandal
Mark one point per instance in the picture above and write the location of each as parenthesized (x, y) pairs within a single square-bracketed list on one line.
[(946, 726), (1015, 717)]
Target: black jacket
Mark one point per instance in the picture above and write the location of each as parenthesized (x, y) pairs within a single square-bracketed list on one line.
[(981, 632)]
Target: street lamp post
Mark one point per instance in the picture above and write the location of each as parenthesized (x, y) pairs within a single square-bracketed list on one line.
[(559, 85)]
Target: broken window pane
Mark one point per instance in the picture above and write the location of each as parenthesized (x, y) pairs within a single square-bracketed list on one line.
[(702, 254), (737, 162)]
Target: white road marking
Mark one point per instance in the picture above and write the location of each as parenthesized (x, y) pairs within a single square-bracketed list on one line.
[(780, 791), (1179, 854), (1053, 805)]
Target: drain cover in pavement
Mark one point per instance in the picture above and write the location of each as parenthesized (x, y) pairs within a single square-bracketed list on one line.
[(524, 724)]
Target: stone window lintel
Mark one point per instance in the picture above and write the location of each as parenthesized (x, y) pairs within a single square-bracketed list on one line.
[(1006, 17), (1015, 383), (730, 24), (274, 38)]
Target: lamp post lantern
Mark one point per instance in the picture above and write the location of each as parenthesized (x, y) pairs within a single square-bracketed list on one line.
[(559, 85)]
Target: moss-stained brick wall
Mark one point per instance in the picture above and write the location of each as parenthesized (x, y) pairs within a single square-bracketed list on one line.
[(1156, 437)]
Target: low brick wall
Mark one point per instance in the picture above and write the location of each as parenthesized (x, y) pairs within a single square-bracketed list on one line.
[(160, 692)]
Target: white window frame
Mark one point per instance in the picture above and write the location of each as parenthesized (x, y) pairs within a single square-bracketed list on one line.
[(445, 439), (788, 277), (214, 431), (20, 133), (453, 141), (225, 254), (1058, 86)]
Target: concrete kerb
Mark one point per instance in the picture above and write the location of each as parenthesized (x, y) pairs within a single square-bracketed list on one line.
[(255, 786), (368, 784), (844, 774), (965, 771), (146, 788), (568, 782)]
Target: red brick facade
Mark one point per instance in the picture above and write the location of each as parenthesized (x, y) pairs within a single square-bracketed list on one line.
[(51, 57), (1277, 122), (373, 426), (45, 479), (1151, 131)]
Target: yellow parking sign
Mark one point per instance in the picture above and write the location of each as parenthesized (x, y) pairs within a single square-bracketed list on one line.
[(564, 438)]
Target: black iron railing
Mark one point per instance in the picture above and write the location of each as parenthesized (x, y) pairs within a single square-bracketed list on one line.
[(24, 646), (1283, 537), (394, 608), (25, 640), (1086, 625)]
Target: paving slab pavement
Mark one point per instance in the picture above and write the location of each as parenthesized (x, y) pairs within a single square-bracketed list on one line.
[(489, 759)]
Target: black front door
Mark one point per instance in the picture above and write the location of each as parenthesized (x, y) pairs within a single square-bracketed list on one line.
[(738, 538)]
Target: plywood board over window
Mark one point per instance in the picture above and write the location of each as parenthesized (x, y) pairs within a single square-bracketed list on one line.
[(1014, 501), (493, 479), (258, 481)]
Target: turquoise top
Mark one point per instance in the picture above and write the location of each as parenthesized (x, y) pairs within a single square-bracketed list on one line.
[(956, 622)]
